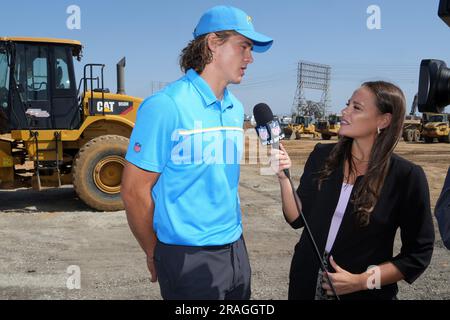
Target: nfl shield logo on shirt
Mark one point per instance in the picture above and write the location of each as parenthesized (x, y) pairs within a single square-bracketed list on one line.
[(137, 147)]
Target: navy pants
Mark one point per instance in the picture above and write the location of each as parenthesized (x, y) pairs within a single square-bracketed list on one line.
[(203, 273)]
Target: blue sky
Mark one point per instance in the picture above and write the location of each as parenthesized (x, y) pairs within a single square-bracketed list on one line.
[(151, 35)]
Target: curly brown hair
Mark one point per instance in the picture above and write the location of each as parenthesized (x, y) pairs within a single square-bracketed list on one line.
[(389, 99), (197, 53)]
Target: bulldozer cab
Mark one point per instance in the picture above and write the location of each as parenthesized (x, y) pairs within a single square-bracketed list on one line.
[(4, 90), (303, 120), (334, 119), (322, 124), (37, 84)]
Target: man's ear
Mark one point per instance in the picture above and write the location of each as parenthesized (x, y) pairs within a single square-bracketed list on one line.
[(213, 41), (385, 120)]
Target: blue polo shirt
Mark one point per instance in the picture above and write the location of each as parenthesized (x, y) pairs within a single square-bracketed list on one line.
[(195, 142)]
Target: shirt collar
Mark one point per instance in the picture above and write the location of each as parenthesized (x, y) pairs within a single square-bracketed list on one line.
[(207, 94), (227, 101)]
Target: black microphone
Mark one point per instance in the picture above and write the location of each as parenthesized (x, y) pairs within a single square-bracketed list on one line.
[(268, 128), (269, 132)]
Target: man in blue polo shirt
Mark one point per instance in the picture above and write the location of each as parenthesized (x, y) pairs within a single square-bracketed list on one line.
[(185, 149)]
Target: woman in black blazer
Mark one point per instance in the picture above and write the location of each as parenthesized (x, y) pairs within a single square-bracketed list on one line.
[(355, 195)]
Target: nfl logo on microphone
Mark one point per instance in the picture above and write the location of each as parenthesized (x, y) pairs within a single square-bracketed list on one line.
[(275, 129), (263, 134)]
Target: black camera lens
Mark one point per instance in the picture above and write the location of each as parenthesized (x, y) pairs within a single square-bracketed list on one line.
[(434, 86)]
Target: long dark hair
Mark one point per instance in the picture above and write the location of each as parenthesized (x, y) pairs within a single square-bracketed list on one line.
[(389, 99), (197, 53)]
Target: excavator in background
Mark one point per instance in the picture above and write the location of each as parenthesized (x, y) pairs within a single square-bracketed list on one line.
[(54, 132)]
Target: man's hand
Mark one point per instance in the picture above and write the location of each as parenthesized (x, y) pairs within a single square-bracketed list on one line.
[(136, 190), (152, 269)]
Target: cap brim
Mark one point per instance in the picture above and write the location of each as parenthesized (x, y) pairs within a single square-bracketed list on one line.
[(261, 43)]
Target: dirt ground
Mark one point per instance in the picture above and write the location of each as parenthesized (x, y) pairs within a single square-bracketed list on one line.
[(43, 234)]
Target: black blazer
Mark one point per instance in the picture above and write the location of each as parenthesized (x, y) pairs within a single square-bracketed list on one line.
[(404, 203), (442, 211)]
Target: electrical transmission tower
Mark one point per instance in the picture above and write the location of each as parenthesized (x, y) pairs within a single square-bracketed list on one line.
[(312, 76)]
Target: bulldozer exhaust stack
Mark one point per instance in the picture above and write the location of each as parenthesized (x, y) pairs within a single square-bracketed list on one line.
[(121, 76)]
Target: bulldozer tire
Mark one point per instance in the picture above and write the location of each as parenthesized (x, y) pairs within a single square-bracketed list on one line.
[(416, 135), (298, 136), (97, 172), (326, 137), (409, 135)]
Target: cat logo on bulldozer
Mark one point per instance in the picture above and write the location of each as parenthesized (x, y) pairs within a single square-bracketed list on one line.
[(109, 106)]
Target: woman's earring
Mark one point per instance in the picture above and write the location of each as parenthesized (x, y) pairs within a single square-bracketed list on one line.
[(378, 130)]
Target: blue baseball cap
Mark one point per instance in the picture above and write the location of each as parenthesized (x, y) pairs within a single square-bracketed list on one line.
[(222, 18)]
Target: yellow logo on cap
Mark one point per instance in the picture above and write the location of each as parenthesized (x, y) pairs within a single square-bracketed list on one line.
[(249, 20)]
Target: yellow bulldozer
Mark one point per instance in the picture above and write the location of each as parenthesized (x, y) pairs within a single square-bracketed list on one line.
[(55, 131), (301, 125), (436, 125), (329, 127)]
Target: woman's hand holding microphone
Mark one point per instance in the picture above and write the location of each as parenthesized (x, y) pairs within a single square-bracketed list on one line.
[(279, 161)]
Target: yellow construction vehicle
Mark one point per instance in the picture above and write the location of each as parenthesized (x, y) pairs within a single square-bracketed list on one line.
[(412, 126), (436, 125), (329, 127), (301, 125), (55, 131)]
